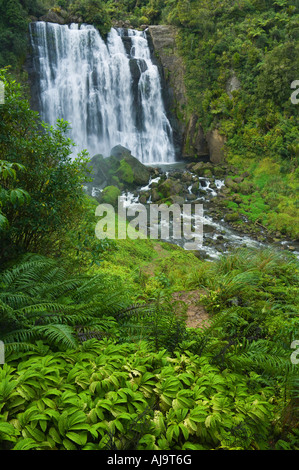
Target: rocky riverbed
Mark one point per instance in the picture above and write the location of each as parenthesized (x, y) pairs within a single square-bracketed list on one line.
[(180, 183)]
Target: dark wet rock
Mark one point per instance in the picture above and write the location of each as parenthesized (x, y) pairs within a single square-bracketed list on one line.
[(238, 179), (120, 169), (207, 173), (198, 168), (178, 175), (219, 171), (155, 196), (202, 192), (143, 198), (208, 229), (171, 187), (229, 183), (224, 192), (191, 197), (177, 200), (195, 188), (187, 177)]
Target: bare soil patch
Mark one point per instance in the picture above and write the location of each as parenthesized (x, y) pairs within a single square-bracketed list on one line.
[(196, 314)]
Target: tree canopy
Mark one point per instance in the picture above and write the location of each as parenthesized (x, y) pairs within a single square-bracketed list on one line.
[(37, 171)]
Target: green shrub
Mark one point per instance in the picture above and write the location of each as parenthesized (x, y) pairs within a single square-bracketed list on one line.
[(92, 12), (52, 179)]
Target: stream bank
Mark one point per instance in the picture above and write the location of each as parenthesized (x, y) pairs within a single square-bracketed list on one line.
[(210, 185)]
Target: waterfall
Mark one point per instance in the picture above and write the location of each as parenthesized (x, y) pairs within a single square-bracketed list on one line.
[(109, 91)]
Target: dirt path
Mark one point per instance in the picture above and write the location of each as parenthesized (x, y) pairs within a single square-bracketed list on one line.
[(197, 316), (187, 302)]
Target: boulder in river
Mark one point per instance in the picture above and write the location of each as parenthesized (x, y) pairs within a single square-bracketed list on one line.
[(171, 187), (141, 173), (121, 169)]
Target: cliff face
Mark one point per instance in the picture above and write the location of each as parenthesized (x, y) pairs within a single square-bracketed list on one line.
[(188, 127), (162, 41)]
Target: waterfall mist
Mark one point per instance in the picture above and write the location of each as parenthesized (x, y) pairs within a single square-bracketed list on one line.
[(109, 91)]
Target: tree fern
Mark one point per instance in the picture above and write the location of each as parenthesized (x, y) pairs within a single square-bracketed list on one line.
[(262, 356), (39, 300)]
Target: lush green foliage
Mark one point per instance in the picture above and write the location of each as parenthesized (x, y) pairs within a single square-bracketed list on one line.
[(41, 301), (92, 12), (13, 29), (109, 396), (228, 386), (46, 172), (15, 196), (254, 44)]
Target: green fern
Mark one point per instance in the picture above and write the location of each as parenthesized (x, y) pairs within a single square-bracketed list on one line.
[(39, 300)]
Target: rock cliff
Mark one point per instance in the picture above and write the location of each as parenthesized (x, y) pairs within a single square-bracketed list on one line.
[(194, 141)]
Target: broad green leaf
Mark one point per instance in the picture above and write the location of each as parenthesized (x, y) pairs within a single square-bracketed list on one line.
[(69, 445), (7, 428), (184, 430), (190, 425), (36, 434), (78, 438), (43, 424), (55, 435), (26, 444)]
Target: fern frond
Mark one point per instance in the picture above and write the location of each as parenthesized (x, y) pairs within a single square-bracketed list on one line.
[(262, 356), (58, 334), (39, 301)]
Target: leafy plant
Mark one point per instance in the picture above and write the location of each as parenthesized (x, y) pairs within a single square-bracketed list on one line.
[(15, 197), (105, 395), (52, 178)]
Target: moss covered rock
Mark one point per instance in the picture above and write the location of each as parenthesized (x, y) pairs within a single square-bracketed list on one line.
[(138, 175), (109, 195), (121, 169), (171, 187), (232, 217), (125, 172)]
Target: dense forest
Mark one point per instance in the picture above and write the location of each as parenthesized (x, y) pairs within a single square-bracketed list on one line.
[(98, 352)]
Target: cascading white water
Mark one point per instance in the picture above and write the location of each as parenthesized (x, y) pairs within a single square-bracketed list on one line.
[(109, 92)]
